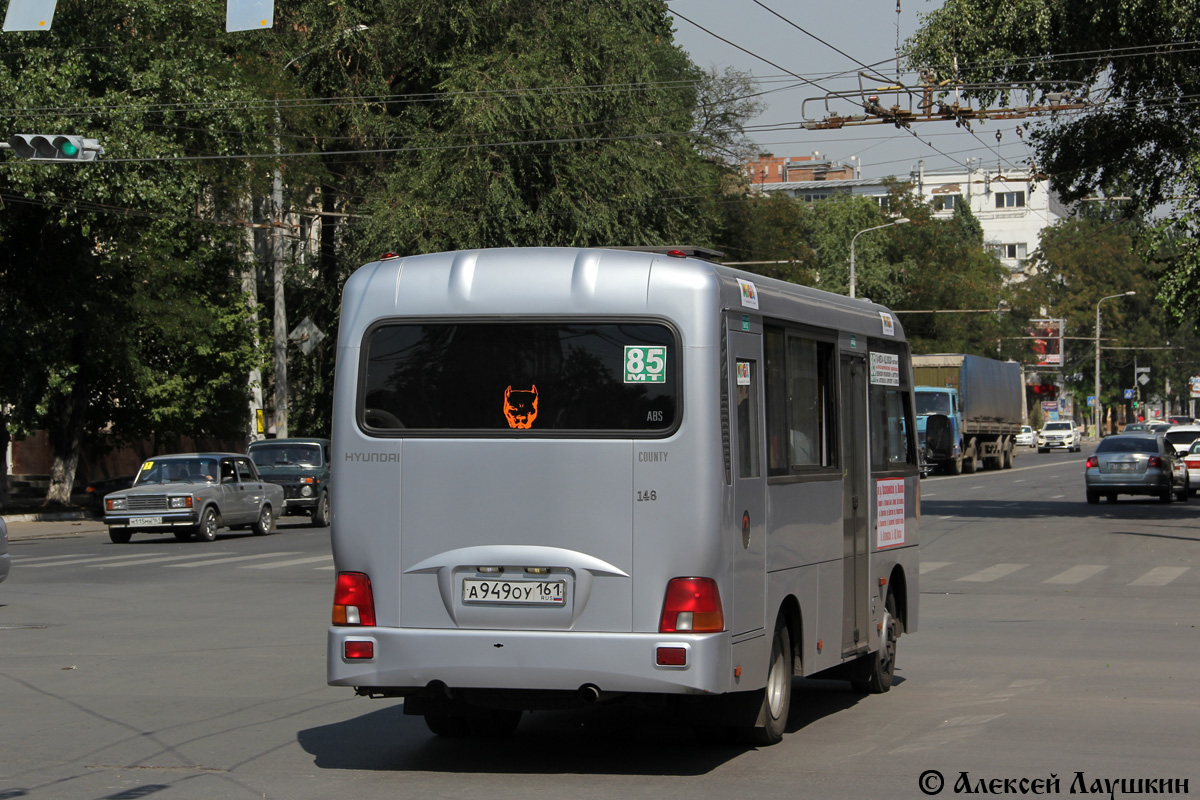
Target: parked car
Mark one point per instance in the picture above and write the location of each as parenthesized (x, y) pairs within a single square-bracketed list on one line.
[(1026, 437), (1058, 434), (1192, 462), (5, 558), (193, 495), (1136, 464), (301, 467), (98, 490), (1182, 436)]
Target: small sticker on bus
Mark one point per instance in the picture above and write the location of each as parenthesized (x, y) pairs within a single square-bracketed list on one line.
[(749, 294), (645, 364)]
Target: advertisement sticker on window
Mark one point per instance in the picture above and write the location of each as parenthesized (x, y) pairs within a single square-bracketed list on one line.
[(885, 369), (889, 512)]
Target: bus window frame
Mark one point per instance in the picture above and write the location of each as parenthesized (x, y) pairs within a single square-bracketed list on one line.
[(496, 433), (827, 339), (905, 390)]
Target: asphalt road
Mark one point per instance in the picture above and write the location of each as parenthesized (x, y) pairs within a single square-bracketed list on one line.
[(1056, 638)]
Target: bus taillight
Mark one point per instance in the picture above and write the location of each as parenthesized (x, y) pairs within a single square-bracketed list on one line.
[(692, 605), (353, 603)]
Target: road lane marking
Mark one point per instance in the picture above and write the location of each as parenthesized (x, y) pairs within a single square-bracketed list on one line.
[(993, 572), (93, 559), (1159, 576), (25, 562), (230, 560), (156, 560), (930, 566), (1077, 574), (292, 562)]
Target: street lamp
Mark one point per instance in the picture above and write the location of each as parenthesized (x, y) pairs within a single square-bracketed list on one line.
[(853, 281), (1096, 407), (280, 258)]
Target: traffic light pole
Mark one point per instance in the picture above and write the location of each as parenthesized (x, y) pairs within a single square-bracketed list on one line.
[(1096, 408)]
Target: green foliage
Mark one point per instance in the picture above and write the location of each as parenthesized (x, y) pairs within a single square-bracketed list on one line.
[(602, 155), (927, 264), (1139, 136), (124, 305), (1099, 255)]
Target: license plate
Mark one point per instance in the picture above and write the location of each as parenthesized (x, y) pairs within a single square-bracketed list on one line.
[(1122, 467), (534, 593), (136, 521)]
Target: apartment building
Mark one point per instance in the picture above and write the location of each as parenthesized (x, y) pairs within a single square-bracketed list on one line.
[(1012, 205)]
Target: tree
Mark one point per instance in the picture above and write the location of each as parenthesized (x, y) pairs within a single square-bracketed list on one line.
[(1141, 132), (928, 264), (126, 322), (600, 153), (1096, 255)]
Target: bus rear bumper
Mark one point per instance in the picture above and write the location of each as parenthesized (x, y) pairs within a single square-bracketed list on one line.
[(406, 658)]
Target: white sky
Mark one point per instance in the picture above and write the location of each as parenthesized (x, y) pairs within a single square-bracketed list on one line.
[(863, 29)]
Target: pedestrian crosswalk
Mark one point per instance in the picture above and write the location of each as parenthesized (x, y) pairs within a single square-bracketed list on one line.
[(1052, 576), (953, 573), (208, 558)]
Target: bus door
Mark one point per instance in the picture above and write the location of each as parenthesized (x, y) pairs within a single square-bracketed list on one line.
[(855, 591), (749, 481)]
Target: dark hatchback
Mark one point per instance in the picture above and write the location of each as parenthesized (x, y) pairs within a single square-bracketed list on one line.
[(301, 467)]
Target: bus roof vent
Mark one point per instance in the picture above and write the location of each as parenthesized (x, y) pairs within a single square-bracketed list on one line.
[(675, 251)]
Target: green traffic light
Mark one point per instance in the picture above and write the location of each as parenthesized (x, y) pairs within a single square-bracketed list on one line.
[(69, 150)]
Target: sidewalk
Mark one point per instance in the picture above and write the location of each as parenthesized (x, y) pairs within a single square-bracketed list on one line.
[(44, 526)]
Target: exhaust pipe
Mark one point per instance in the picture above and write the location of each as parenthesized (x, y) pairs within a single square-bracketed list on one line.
[(589, 692)]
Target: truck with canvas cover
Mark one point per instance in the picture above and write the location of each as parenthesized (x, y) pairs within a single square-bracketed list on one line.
[(968, 411)]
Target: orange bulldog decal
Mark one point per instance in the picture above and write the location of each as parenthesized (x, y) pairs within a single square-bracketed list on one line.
[(521, 407)]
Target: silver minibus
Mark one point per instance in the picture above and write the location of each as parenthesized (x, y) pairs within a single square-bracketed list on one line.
[(572, 476)]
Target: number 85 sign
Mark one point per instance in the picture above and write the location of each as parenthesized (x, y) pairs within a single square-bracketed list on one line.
[(645, 364)]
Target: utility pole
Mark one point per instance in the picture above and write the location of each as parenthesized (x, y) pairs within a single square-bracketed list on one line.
[(279, 264)]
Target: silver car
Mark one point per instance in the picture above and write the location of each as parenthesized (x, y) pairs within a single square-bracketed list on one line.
[(1135, 463), (193, 495)]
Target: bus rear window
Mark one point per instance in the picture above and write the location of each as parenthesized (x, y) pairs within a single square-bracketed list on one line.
[(520, 378)]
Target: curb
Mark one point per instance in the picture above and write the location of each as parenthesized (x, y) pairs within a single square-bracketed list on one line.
[(48, 516)]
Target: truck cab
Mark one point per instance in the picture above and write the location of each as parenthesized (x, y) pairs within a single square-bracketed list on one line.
[(939, 427)]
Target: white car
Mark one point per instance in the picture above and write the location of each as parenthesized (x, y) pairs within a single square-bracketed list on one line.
[(1058, 434), (1182, 436), (1192, 460), (1026, 437)]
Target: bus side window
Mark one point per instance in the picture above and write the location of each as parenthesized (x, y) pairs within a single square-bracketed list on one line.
[(890, 446)]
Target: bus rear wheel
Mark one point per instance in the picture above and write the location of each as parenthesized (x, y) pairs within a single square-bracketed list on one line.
[(775, 699)]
